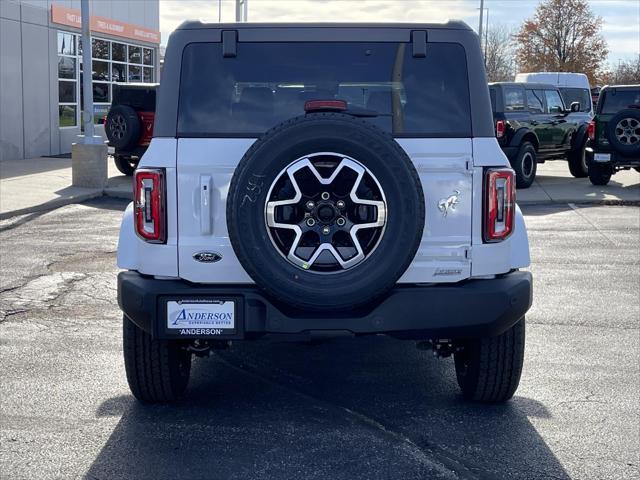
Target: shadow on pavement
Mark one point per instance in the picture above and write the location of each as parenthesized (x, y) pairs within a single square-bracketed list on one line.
[(365, 408), (108, 203)]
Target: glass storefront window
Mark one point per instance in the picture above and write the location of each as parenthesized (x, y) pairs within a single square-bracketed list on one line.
[(100, 49), (147, 54), (118, 72), (100, 70), (135, 54), (67, 67), (114, 62), (66, 43), (101, 92), (147, 75), (135, 73), (66, 92), (118, 52), (67, 115)]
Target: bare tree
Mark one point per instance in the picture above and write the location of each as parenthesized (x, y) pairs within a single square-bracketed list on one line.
[(625, 73), (563, 36), (500, 54)]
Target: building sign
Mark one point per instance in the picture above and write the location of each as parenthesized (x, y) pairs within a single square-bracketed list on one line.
[(71, 17)]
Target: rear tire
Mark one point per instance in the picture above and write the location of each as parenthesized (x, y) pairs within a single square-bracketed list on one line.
[(123, 127), (600, 174), (525, 165), (125, 165), (157, 370), (488, 369), (578, 162)]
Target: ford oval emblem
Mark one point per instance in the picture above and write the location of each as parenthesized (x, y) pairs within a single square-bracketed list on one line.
[(207, 257)]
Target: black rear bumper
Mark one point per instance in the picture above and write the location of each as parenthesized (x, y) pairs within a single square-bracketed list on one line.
[(468, 309), (616, 159)]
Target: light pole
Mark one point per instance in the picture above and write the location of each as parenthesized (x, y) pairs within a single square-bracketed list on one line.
[(87, 88), (486, 38), (480, 24), (241, 10), (89, 156)]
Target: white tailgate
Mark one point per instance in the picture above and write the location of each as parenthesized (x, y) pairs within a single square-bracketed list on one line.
[(206, 165), (445, 168), (202, 223)]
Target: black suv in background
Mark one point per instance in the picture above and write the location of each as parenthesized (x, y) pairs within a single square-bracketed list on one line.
[(533, 125), (614, 133), (129, 123)]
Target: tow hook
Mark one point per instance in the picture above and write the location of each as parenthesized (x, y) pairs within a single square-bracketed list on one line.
[(441, 348), (205, 348)]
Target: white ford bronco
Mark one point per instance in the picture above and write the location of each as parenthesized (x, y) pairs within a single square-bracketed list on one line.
[(311, 181)]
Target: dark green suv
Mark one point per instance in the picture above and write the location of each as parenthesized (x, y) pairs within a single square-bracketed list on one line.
[(614, 133), (533, 124)]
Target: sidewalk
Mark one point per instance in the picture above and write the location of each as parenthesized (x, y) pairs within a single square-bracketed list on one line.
[(39, 184)]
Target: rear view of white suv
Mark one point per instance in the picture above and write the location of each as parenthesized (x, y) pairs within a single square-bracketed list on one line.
[(311, 181)]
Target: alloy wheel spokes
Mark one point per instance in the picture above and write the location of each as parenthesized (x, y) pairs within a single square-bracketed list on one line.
[(326, 214)]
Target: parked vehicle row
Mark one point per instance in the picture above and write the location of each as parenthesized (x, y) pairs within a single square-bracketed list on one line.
[(533, 125)]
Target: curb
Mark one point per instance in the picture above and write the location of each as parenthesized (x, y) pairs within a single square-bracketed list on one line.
[(604, 202)]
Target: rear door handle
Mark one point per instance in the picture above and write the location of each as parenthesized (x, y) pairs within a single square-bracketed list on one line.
[(206, 184)]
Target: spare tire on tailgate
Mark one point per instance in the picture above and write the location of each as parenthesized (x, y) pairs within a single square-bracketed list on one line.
[(123, 127), (623, 131), (325, 212)]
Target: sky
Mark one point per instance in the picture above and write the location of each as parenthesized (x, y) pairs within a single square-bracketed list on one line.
[(621, 17)]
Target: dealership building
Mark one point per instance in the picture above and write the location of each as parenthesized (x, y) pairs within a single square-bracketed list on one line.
[(41, 67)]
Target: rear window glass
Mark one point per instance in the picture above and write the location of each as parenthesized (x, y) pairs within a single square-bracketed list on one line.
[(268, 83), (514, 99), (616, 100), (580, 95)]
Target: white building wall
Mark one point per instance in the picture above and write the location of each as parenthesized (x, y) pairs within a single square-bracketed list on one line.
[(28, 71)]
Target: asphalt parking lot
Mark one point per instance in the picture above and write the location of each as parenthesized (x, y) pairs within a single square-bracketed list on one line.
[(366, 408)]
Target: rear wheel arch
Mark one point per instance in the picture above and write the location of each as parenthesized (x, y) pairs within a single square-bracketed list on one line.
[(580, 138), (525, 135)]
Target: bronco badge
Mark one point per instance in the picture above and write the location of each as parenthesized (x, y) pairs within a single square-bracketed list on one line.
[(449, 203), (207, 257)]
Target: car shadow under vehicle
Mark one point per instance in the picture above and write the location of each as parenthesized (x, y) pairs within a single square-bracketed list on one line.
[(351, 408)]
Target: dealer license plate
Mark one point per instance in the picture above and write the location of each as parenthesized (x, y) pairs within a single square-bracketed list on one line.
[(207, 317), (602, 157)]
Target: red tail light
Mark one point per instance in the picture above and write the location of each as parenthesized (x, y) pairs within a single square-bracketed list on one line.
[(500, 128), (149, 198), (500, 204), (591, 130)]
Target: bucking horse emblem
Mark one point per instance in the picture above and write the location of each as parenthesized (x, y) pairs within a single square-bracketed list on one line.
[(449, 203)]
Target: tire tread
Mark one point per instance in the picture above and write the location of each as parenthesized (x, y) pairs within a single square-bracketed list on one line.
[(151, 365)]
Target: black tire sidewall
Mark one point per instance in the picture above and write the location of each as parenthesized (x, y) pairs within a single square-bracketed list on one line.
[(133, 127), (125, 165), (611, 128), (522, 180), (271, 155), (577, 161), (600, 175)]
